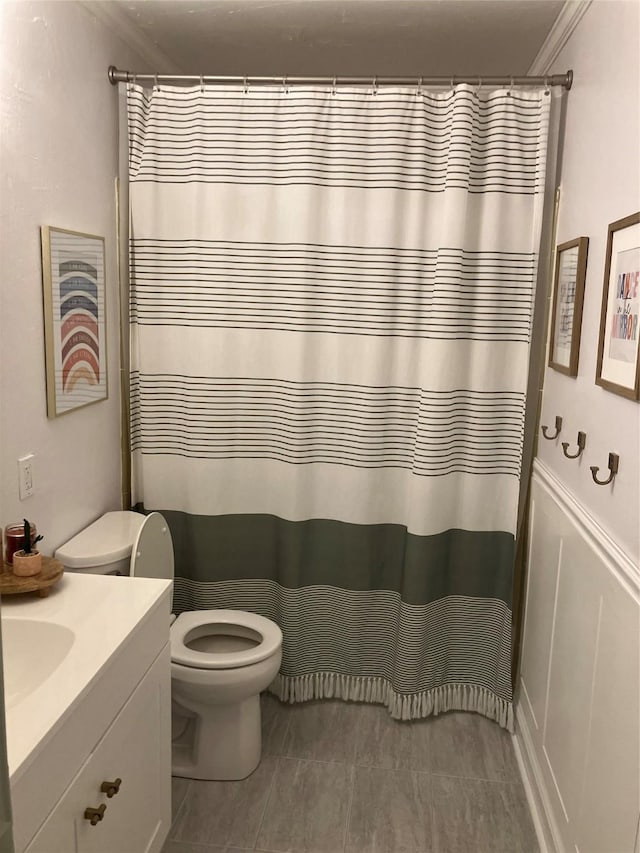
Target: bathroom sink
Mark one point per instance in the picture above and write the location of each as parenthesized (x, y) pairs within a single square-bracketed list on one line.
[(72, 660), (32, 651)]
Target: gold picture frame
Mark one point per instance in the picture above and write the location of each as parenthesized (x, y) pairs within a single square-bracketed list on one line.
[(568, 298), (618, 368), (73, 275)]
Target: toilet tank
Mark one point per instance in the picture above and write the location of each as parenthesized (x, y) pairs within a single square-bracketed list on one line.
[(104, 547)]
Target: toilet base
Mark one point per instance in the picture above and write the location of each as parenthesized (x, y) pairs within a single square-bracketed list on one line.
[(224, 743)]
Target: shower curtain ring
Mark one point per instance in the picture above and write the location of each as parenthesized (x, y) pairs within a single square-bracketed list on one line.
[(511, 85), (245, 85), (202, 83), (419, 89), (546, 85), (284, 85), (155, 81), (335, 81), (453, 82), (374, 86)]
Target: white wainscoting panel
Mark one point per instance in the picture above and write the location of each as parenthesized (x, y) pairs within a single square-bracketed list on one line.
[(578, 708)]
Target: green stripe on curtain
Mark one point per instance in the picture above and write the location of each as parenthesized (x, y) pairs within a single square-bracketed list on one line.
[(353, 556), (421, 624)]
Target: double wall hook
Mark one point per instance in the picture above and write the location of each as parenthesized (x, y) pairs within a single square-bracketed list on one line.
[(613, 463), (558, 429), (582, 441)]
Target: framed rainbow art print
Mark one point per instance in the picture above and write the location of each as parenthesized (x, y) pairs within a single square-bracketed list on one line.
[(75, 323)]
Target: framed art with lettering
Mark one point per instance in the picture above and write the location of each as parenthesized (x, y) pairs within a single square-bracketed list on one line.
[(568, 296), (618, 365)]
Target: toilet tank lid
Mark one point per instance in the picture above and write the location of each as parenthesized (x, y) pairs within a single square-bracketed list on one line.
[(108, 539)]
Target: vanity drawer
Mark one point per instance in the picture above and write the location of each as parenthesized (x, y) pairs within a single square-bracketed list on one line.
[(135, 749)]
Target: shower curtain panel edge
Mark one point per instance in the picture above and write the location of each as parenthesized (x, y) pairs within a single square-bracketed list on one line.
[(330, 322)]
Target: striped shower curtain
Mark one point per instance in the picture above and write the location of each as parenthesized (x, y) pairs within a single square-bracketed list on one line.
[(331, 305)]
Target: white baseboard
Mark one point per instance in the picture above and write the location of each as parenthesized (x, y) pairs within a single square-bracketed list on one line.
[(547, 832)]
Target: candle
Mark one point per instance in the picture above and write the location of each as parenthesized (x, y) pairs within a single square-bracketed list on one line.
[(14, 539)]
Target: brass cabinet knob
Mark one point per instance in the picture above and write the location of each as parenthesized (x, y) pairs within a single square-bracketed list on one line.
[(95, 815), (111, 788)]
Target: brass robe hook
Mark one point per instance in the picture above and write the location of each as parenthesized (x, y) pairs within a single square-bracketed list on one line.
[(558, 429), (582, 441), (613, 463)]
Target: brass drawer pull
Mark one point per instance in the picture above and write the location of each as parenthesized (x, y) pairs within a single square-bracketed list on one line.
[(111, 788), (95, 815)]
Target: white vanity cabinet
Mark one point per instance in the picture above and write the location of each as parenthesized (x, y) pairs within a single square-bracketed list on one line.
[(101, 714), (134, 750)]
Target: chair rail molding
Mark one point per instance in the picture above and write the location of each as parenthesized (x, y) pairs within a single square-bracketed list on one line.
[(621, 565), (559, 35)]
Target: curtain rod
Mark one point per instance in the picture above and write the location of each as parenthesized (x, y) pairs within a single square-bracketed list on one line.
[(565, 80)]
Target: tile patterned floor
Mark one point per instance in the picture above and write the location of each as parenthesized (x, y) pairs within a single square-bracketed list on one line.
[(340, 777)]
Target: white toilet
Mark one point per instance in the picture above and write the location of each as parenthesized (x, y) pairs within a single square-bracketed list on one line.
[(220, 659)]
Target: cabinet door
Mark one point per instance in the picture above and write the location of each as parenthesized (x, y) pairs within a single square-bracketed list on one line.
[(136, 749)]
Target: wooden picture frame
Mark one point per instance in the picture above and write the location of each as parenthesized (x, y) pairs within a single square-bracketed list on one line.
[(618, 368), (73, 275), (568, 298)]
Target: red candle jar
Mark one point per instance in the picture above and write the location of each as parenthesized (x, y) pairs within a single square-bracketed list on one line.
[(14, 539)]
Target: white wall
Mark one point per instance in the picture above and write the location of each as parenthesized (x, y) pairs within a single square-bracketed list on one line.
[(59, 161), (600, 183)]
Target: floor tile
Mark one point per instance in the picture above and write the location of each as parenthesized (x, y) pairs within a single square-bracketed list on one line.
[(486, 817), (469, 745), (186, 847), (392, 744), (225, 813), (390, 812), (307, 809), (275, 724), (323, 731), (179, 788)]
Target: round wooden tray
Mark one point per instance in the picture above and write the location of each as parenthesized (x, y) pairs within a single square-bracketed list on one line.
[(51, 573)]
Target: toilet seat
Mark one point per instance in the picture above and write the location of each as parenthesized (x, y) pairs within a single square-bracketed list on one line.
[(270, 633), (152, 551)]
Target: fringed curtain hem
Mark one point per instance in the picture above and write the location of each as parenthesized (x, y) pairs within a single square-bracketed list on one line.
[(402, 706)]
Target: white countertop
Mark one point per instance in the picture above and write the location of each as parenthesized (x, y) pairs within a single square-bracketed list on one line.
[(102, 612)]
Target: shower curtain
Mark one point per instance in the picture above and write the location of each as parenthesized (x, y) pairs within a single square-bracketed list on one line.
[(331, 305)]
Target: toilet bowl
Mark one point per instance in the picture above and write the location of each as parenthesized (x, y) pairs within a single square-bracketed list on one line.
[(220, 659)]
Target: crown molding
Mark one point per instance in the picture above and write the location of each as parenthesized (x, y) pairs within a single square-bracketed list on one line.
[(133, 36), (559, 35)]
